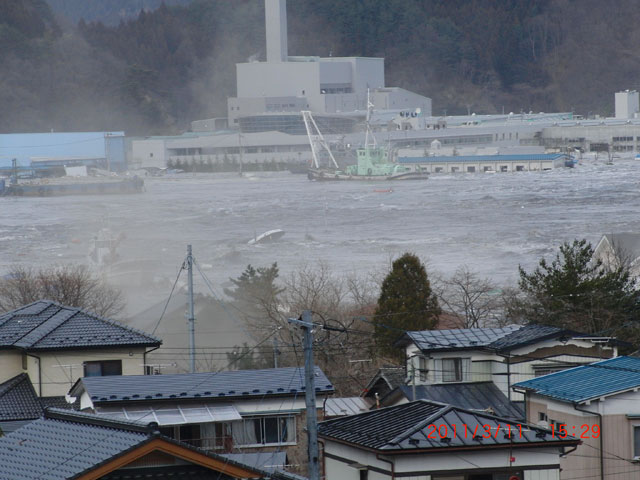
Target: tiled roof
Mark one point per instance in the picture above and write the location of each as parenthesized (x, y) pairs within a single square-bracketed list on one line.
[(459, 338), (18, 399), (409, 426), (587, 382), (498, 339), (46, 325), (236, 383), (64, 444), (473, 396), (57, 448), (385, 380)]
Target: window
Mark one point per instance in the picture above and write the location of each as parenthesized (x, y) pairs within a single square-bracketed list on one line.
[(103, 368), (471, 169), (542, 417), (364, 474), (209, 436), (423, 371), (264, 431), (636, 441), (455, 369)]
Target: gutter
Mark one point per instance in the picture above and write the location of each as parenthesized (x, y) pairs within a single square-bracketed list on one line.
[(393, 465), (144, 358), (575, 406), (39, 372)]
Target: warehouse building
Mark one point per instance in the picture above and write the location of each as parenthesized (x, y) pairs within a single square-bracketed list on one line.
[(55, 150)]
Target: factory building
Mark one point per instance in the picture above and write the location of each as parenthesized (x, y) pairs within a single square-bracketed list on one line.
[(486, 163), (607, 135), (271, 94), (55, 150)]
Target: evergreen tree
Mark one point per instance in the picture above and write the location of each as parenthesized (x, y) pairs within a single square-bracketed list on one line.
[(578, 292), (255, 291), (406, 303)]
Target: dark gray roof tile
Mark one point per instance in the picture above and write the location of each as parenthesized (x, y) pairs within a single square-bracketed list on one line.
[(236, 383), (63, 445), (18, 399), (472, 396), (46, 325), (410, 426)]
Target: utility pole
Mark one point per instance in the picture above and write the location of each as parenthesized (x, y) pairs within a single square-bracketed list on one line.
[(275, 352), (188, 263), (310, 394)]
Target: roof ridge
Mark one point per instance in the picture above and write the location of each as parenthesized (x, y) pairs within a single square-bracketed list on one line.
[(422, 423), (10, 384), (46, 327), (17, 341)]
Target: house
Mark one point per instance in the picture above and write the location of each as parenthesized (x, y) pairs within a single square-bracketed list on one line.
[(478, 396), (66, 445), (225, 412), (618, 249), (504, 356), (55, 345), (598, 403), (20, 404), (426, 440)]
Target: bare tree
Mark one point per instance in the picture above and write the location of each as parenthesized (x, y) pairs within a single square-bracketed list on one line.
[(69, 285), (474, 301), (341, 306)]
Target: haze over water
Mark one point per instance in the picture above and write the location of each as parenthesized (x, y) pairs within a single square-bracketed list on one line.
[(489, 222)]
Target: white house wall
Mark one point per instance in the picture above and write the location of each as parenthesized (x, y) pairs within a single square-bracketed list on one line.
[(422, 465), (10, 364), (481, 459), (61, 369), (617, 434)]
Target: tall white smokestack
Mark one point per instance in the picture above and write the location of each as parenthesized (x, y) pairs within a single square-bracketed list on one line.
[(276, 23)]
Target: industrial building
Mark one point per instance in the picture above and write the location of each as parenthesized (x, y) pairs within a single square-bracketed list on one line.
[(54, 150), (487, 163), (264, 128), (271, 94)]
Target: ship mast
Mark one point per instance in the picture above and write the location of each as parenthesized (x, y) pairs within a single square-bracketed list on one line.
[(368, 124), (316, 140)]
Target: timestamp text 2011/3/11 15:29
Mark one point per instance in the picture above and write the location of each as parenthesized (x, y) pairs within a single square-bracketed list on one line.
[(559, 430)]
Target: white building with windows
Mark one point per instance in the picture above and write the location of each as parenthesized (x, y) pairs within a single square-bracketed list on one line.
[(597, 403), (503, 356), (229, 411)]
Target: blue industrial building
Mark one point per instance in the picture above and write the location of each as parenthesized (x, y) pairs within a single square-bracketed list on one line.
[(50, 151)]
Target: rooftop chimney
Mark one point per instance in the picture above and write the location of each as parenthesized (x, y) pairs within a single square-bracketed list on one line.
[(276, 23)]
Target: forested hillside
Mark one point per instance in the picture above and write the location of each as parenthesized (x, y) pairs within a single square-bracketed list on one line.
[(162, 68)]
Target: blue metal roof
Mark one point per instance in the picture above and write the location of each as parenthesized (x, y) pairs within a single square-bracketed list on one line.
[(221, 385), (587, 382), (535, 157)]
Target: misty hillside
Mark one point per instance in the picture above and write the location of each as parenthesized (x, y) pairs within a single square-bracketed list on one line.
[(163, 68), (109, 12)]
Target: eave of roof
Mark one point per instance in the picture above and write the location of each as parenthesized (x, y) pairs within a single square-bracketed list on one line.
[(564, 385)]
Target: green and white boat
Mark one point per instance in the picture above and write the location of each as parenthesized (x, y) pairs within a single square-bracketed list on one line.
[(372, 160)]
